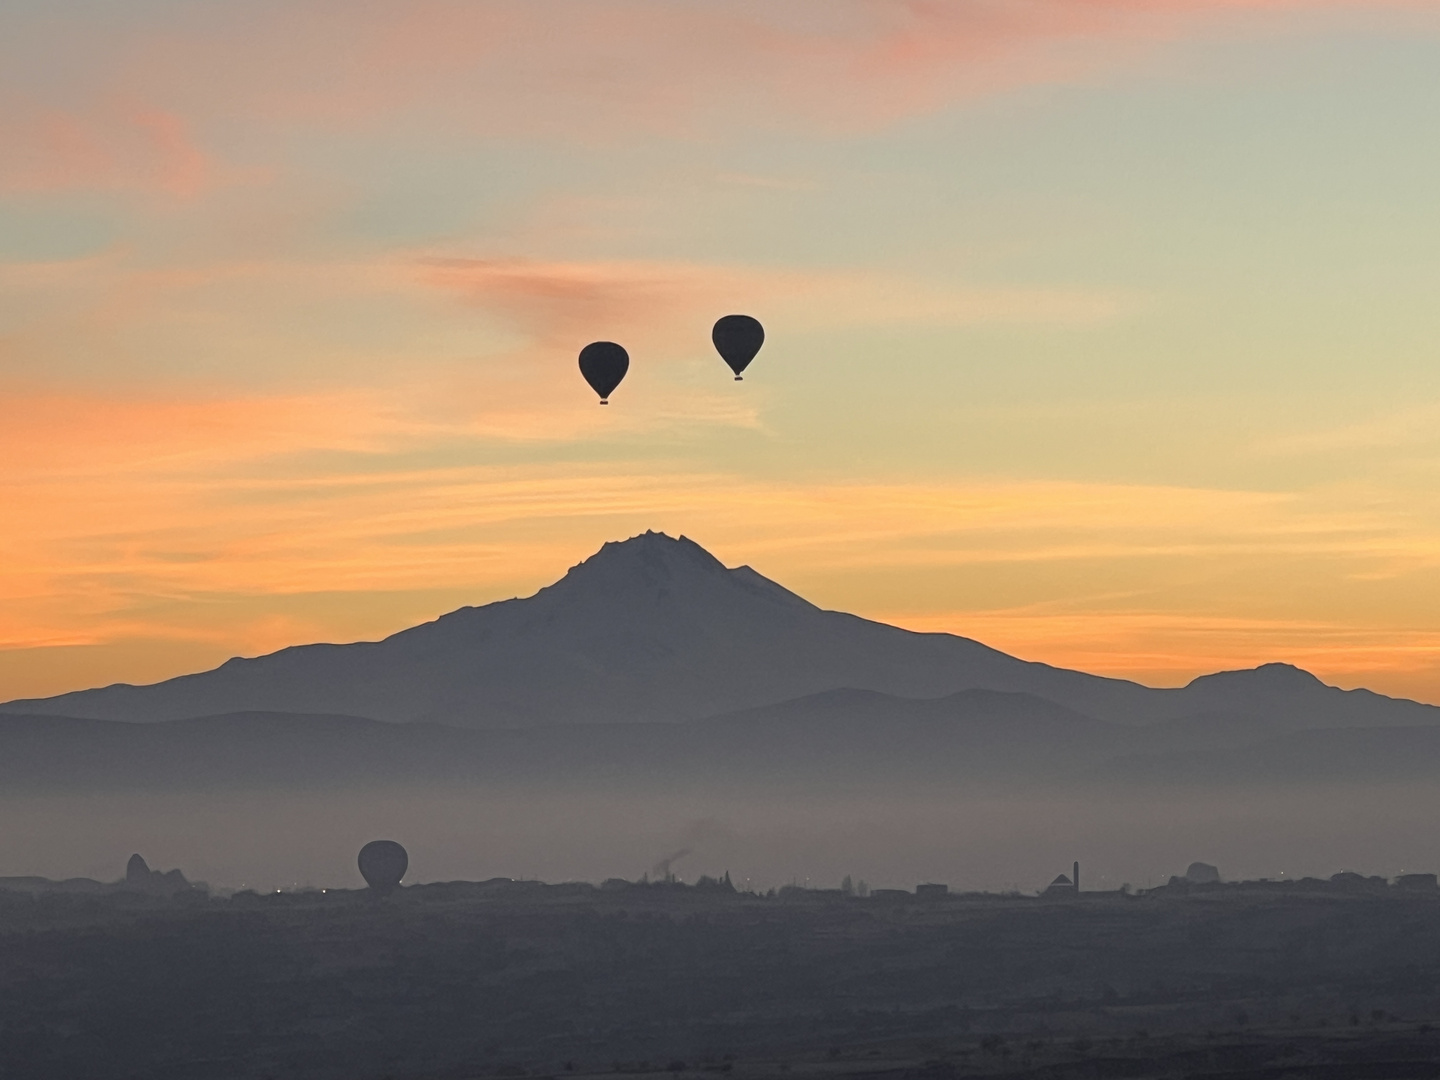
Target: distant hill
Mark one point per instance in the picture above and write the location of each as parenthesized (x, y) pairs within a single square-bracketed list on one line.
[(1327, 756), (962, 735), (843, 736), (654, 629), (846, 740)]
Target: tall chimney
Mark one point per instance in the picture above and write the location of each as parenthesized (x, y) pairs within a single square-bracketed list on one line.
[(1076, 877)]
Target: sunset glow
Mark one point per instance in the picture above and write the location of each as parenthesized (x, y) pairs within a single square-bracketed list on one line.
[(1104, 332)]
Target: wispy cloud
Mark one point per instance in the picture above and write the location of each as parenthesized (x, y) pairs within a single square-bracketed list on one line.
[(1168, 648), (1412, 426), (169, 509), (141, 149), (472, 346), (574, 301), (248, 401), (574, 69)]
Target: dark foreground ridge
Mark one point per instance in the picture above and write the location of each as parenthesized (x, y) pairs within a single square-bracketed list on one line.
[(502, 978)]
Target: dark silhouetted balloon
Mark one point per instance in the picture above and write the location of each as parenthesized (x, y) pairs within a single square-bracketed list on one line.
[(603, 363), (738, 338), (382, 864)]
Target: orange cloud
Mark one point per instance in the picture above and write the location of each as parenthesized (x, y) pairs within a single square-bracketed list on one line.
[(49, 433)]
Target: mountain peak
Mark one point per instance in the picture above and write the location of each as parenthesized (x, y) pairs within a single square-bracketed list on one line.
[(649, 561), (1273, 676), (655, 549)]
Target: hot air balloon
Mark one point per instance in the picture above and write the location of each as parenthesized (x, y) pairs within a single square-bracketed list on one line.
[(382, 864), (738, 338), (603, 363)]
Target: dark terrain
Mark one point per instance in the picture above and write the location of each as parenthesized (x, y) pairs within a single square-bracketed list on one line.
[(655, 701), (1305, 979)]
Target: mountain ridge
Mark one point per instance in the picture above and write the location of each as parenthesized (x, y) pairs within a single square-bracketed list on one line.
[(656, 629)]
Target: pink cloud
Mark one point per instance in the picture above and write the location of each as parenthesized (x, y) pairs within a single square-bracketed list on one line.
[(666, 304), (553, 302), (582, 69), (138, 149)]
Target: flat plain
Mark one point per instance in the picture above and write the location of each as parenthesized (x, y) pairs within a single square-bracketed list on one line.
[(507, 978)]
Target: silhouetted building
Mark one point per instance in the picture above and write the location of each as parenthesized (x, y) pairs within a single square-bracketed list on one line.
[(1348, 879), (1061, 886), (931, 891), (723, 884), (1199, 873), (1065, 886)]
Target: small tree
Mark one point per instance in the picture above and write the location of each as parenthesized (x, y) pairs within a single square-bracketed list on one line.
[(847, 886)]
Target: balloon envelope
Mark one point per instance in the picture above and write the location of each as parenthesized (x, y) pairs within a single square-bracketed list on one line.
[(603, 363), (382, 864), (738, 338)]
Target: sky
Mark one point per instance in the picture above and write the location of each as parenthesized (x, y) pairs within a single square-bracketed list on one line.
[(1103, 331)]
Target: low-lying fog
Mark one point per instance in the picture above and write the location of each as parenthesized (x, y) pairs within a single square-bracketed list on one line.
[(281, 839)]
